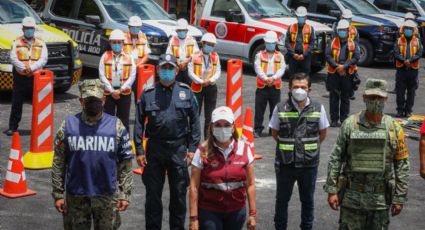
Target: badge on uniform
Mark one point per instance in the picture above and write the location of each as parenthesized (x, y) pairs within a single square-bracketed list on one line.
[(182, 95)]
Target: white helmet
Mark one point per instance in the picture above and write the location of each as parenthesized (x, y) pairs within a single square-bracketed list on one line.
[(343, 24), (409, 15), (410, 23), (116, 35), (209, 37), (301, 11), (181, 24), (135, 21), (270, 37), (28, 22), (347, 14)]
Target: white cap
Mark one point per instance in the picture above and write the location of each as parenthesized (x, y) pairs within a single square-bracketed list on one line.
[(347, 14), (28, 22), (135, 21), (223, 113), (301, 11), (343, 24), (209, 37), (410, 23), (270, 37), (409, 15), (181, 24), (116, 35)]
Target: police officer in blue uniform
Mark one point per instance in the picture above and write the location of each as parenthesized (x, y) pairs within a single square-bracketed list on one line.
[(173, 133)]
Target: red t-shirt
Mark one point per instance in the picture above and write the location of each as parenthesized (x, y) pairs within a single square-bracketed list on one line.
[(423, 128)]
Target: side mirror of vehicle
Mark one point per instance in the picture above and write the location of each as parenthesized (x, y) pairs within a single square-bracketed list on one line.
[(335, 13), (92, 19), (173, 16), (233, 16)]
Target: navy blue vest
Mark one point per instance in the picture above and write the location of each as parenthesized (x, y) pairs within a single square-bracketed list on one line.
[(91, 156)]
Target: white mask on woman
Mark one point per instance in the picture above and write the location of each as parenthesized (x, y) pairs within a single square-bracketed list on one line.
[(222, 134)]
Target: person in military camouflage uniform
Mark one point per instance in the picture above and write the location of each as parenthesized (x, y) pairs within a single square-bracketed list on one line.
[(91, 174), (369, 165)]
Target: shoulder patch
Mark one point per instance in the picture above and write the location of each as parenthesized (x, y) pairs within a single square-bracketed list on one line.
[(401, 151), (184, 85)]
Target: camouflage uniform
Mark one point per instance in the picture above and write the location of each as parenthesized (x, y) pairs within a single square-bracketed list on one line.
[(81, 209), (368, 169)]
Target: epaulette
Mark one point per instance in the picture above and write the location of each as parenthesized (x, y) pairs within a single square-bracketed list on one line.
[(184, 85)]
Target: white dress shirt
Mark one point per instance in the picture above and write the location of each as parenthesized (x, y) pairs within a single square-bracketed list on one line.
[(40, 63), (117, 71), (206, 70), (270, 68)]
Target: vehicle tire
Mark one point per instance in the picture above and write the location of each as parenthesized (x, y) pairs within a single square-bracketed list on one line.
[(366, 53), (63, 89), (316, 68)]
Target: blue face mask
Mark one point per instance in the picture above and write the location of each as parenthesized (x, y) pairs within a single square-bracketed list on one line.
[(117, 48), (167, 75), (301, 20), (134, 29), (29, 33), (208, 49), (342, 34), (270, 46), (408, 33), (181, 34)]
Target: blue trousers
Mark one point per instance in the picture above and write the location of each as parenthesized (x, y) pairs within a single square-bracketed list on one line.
[(306, 181), (221, 220)]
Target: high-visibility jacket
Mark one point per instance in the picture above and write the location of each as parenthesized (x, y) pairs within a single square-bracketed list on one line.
[(27, 53), (139, 44), (223, 182), (352, 33), (277, 59), (198, 62), (306, 36), (126, 63), (175, 46), (335, 51), (414, 47)]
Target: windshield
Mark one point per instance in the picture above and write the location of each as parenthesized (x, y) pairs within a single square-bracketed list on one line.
[(360, 7), (12, 11), (422, 3), (265, 8), (122, 10)]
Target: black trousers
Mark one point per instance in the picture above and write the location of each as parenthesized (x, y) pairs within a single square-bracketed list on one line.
[(22, 87), (134, 89), (162, 157), (299, 66), (267, 95), (339, 96), (406, 85), (119, 108), (183, 77), (208, 97)]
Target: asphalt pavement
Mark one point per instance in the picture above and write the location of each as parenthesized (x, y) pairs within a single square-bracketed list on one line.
[(38, 212)]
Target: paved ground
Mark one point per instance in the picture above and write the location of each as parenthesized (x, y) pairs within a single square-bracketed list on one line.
[(37, 212)]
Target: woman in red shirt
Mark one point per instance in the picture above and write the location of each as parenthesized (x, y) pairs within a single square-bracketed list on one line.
[(222, 178)]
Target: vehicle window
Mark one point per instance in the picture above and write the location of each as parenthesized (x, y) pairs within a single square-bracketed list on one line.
[(325, 6), (63, 8), (122, 10), (422, 3), (88, 7), (405, 6), (265, 8), (294, 4), (220, 7), (12, 11), (360, 7), (383, 4)]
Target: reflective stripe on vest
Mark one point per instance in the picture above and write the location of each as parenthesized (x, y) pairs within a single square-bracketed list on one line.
[(109, 63), (175, 46), (352, 33), (336, 50), (224, 186), (306, 36), (414, 46), (139, 44), (198, 62), (27, 53), (264, 56)]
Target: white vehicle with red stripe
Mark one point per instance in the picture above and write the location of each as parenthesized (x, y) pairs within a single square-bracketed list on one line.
[(240, 25)]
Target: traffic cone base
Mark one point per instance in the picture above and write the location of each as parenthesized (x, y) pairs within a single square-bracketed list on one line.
[(29, 192), (41, 160), (138, 171), (258, 157)]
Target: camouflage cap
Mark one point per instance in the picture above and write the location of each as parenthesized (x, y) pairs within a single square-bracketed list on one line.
[(91, 88), (376, 87)]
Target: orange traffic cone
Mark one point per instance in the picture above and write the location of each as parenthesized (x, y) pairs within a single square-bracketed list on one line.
[(15, 184), (248, 132)]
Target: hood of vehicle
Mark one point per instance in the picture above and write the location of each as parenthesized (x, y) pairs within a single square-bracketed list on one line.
[(166, 28), (284, 23), (9, 33), (386, 20)]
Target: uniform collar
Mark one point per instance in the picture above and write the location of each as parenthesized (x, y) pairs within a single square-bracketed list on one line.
[(364, 122), (90, 120), (226, 152), (167, 88)]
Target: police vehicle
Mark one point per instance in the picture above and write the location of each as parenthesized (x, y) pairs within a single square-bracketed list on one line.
[(63, 56), (89, 22), (378, 32)]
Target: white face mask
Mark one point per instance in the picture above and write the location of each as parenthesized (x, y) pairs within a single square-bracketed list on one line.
[(222, 134), (299, 94)]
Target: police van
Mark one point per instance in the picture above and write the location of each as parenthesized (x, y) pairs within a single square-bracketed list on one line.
[(63, 56), (89, 22)]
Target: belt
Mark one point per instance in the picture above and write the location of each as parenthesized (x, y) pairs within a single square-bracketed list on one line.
[(365, 188), (170, 143)]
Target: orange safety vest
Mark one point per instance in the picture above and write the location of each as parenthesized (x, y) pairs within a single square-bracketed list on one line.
[(108, 61), (352, 33), (175, 46), (140, 44), (27, 53), (306, 36), (264, 56), (415, 31), (414, 48), (335, 51), (198, 62)]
